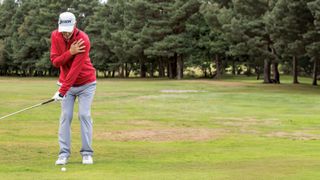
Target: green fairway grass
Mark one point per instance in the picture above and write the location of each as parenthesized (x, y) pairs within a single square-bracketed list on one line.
[(233, 128)]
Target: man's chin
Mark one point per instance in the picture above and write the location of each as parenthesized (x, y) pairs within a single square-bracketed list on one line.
[(67, 39)]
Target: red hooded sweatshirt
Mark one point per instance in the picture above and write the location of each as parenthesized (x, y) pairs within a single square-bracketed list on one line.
[(75, 70)]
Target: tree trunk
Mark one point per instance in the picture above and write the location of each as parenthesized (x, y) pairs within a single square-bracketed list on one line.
[(218, 67), (266, 71), (169, 71), (210, 72), (126, 70), (179, 67), (276, 74), (257, 70), (121, 70), (142, 69), (173, 67), (295, 70), (151, 70), (315, 72), (248, 72), (224, 64), (233, 67), (161, 68)]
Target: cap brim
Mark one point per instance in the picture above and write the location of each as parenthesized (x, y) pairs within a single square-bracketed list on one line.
[(65, 28)]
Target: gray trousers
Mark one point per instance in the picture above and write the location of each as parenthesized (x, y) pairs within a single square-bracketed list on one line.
[(85, 96)]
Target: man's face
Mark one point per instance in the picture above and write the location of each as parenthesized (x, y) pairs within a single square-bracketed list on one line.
[(67, 35)]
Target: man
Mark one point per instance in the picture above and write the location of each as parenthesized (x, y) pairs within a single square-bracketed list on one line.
[(70, 52)]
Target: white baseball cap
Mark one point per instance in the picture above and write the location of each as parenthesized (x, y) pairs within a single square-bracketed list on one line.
[(67, 20)]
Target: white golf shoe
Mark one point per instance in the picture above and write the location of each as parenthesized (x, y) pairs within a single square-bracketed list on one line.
[(62, 161), (87, 159)]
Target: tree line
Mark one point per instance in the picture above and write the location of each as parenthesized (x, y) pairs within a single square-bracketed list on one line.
[(169, 38)]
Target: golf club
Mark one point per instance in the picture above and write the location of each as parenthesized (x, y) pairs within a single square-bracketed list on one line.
[(43, 103)]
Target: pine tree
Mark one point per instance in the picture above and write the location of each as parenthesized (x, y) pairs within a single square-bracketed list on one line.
[(7, 11), (249, 37), (216, 14), (312, 38), (136, 17), (157, 27), (200, 39), (174, 43), (291, 20), (34, 21), (99, 33), (117, 40)]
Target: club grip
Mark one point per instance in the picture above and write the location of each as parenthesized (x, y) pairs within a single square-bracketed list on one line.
[(46, 102)]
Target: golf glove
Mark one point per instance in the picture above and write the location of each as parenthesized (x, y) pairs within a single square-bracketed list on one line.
[(57, 96)]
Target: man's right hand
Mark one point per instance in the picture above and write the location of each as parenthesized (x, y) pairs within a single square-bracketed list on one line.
[(77, 47)]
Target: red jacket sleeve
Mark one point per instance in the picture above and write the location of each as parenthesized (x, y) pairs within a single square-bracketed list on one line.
[(77, 64), (57, 58)]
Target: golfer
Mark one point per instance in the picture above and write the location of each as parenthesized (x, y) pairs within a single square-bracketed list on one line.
[(70, 53)]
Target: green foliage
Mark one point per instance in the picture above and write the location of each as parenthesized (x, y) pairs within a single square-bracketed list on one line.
[(154, 34), (291, 20), (312, 37), (26, 27), (2, 60)]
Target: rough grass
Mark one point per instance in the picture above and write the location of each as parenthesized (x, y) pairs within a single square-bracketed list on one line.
[(235, 128)]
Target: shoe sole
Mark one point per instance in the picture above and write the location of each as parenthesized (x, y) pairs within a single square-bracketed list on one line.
[(87, 163), (61, 164)]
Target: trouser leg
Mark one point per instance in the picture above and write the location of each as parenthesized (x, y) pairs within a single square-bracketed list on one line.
[(85, 99), (67, 105)]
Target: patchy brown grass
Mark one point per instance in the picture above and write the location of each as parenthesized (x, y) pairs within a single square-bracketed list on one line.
[(250, 126), (297, 135), (145, 130), (166, 134), (181, 91), (140, 123), (221, 83), (247, 122)]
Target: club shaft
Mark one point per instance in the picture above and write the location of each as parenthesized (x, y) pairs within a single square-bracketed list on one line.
[(51, 100)]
